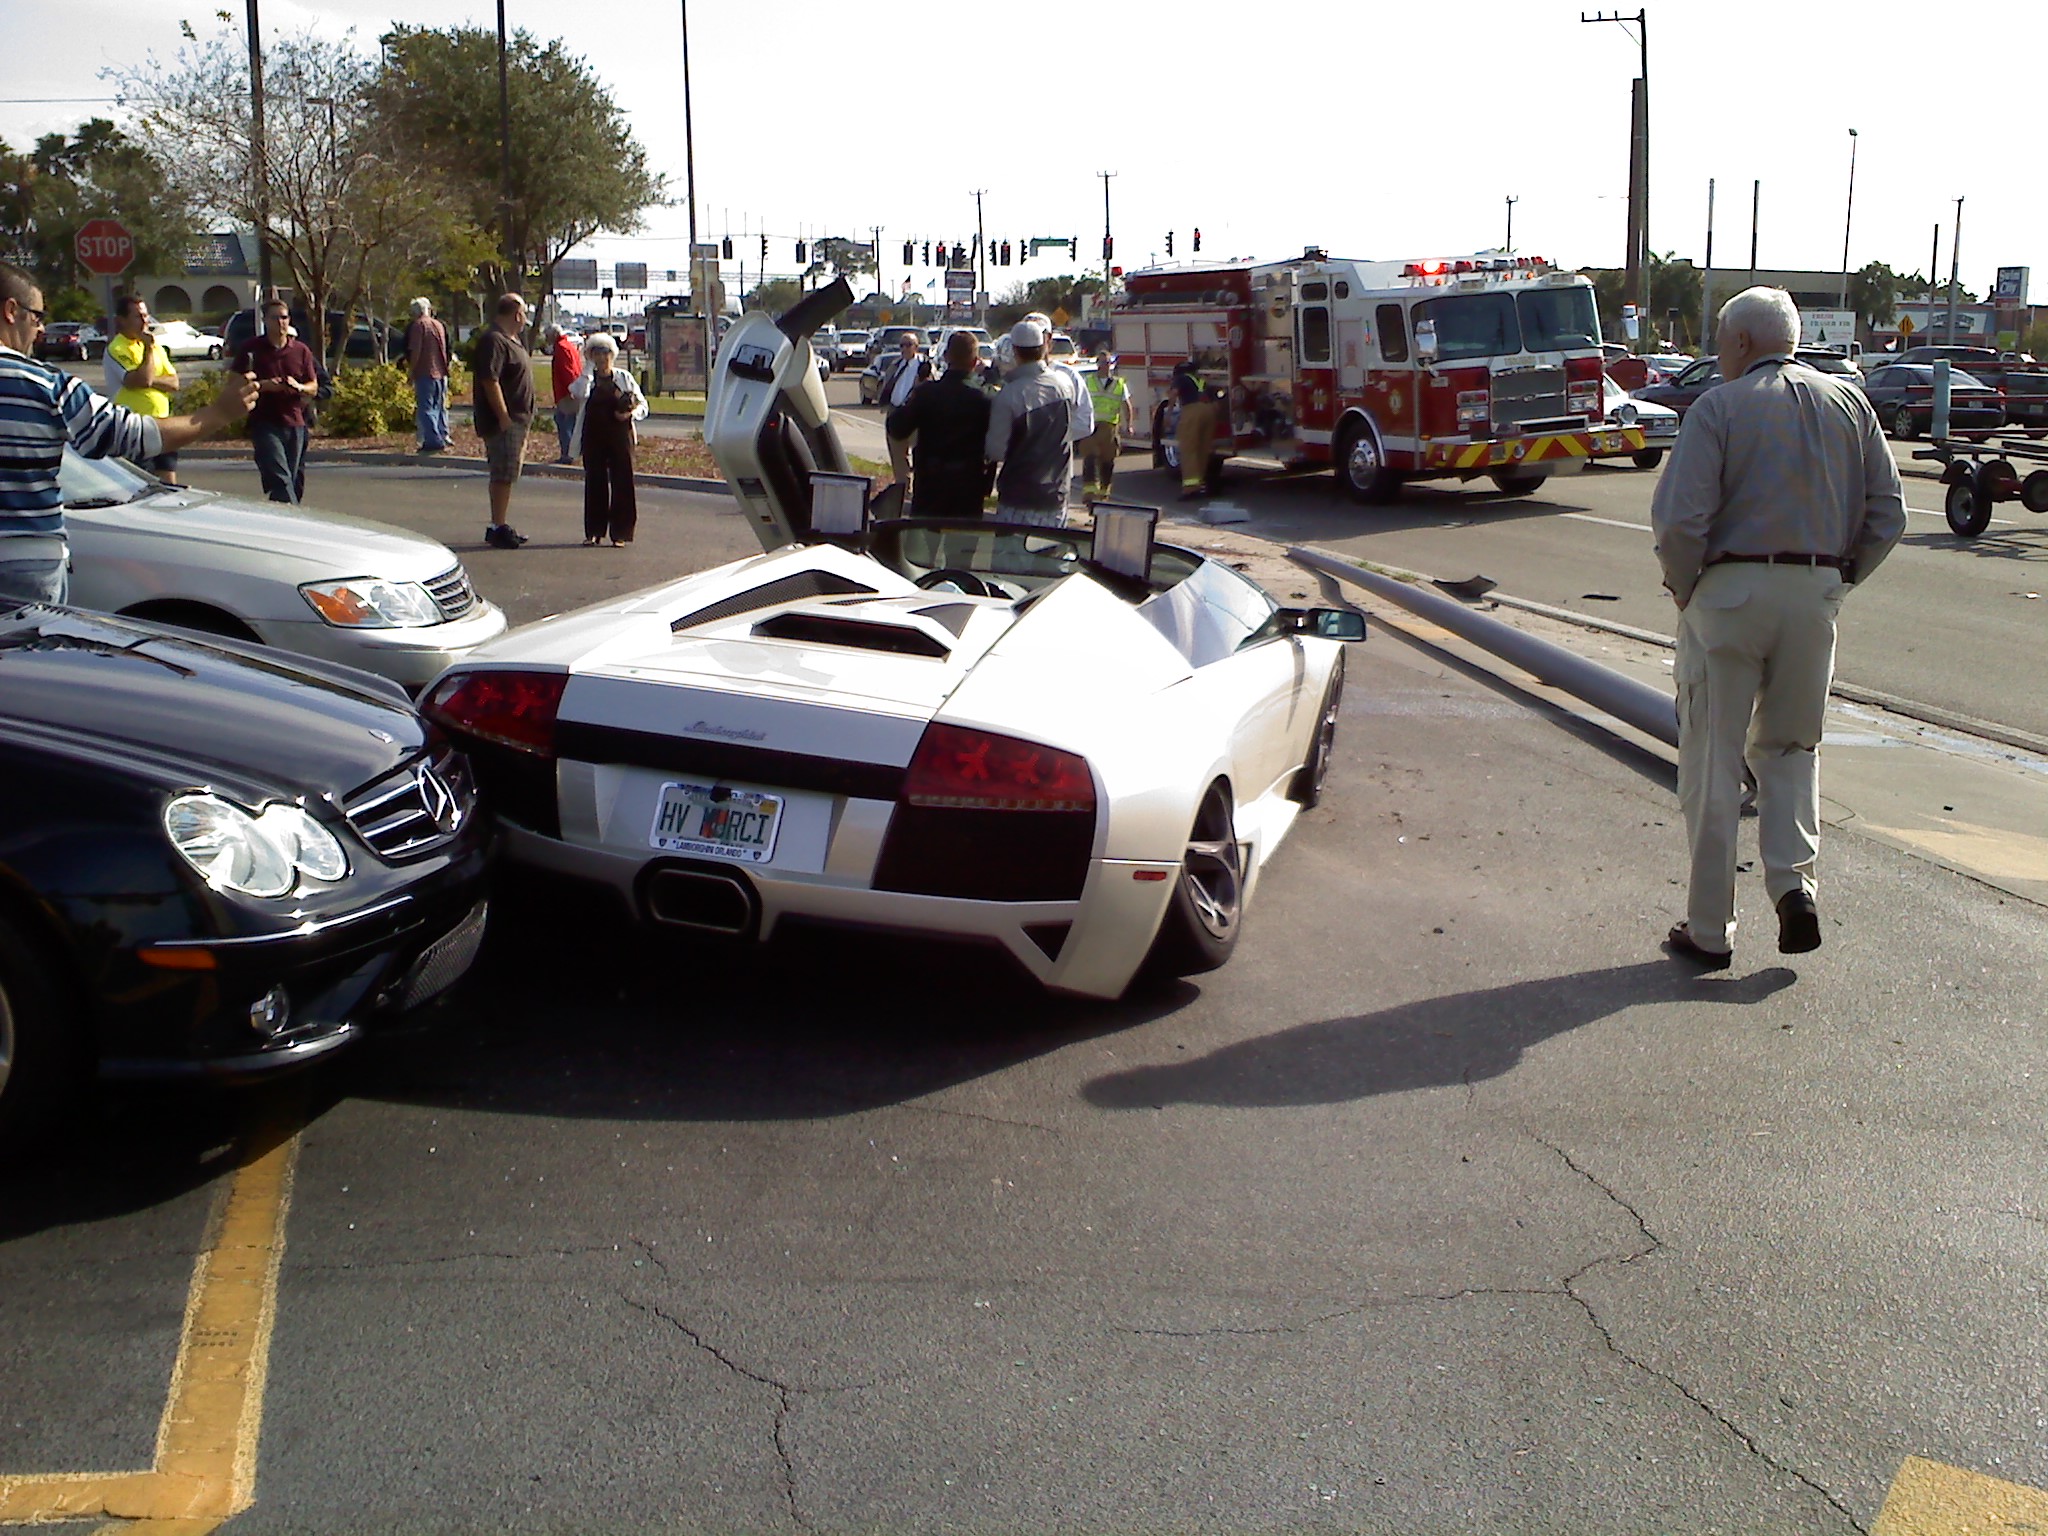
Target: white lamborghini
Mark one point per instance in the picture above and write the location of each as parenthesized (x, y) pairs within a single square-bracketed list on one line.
[(971, 730)]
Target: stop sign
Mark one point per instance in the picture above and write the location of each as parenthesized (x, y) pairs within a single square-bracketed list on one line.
[(104, 246)]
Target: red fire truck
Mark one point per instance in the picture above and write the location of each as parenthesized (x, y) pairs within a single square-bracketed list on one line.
[(1388, 371)]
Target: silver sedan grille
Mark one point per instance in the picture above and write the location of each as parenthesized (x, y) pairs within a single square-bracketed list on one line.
[(452, 593), (415, 810)]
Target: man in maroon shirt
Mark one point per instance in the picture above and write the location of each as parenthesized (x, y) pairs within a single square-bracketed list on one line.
[(282, 366)]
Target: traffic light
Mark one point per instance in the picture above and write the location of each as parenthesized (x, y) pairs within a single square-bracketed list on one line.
[(728, 247), (1073, 249), (927, 253), (909, 252), (1198, 239), (959, 255), (764, 247), (800, 253), (1169, 242), (1108, 248), (1006, 253)]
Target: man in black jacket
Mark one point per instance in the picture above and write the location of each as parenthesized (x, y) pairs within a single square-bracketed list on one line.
[(949, 418), (910, 369)]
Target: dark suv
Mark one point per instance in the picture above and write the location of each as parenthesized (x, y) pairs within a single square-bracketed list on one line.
[(242, 328)]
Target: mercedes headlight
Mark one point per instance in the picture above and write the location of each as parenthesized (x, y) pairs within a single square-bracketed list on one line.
[(257, 855), (368, 602)]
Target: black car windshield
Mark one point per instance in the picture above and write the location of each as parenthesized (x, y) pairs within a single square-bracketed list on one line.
[(1558, 319), (102, 482), (1472, 325), (1026, 557)]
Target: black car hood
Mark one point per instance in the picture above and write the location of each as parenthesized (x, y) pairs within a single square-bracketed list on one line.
[(231, 717)]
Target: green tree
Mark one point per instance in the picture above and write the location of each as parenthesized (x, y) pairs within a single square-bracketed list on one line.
[(94, 172), (339, 194), (1874, 294), (577, 170), (775, 295)]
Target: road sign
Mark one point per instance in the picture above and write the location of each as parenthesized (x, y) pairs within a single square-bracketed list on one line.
[(1906, 325), (576, 274), (104, 246), (632, 275)]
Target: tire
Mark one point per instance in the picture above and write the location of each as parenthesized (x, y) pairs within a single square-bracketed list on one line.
[(1968, 513), (1165, 446), (1649, 458), (1516, 482), (41, 1072), (1361, 470), (186, 615), (1902, 425), (1206, 911), (1307, 789)]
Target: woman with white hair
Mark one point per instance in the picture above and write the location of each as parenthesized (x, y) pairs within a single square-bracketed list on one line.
[(608, 402)]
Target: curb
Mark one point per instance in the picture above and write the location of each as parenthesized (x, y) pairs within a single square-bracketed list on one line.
[(543, 471)]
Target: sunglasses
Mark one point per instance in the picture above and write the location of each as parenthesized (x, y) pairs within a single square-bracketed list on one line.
[(30, 310)]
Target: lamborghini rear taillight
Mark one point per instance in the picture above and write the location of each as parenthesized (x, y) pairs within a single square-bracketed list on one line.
[(964, 769), (508, 709)]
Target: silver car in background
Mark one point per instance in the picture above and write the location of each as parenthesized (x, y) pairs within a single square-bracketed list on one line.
[(344, 589)]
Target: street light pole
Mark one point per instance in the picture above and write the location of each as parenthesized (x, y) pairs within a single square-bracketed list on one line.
[(259, 155), (1510, 246), (514, 284), (1955, 264), (1108, 244), (698, 296), (1636, 275), (1848, 214), (980, 262), (1707, 276)]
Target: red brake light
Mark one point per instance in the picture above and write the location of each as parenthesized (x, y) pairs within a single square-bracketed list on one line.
[(964, 769), (512, 709)]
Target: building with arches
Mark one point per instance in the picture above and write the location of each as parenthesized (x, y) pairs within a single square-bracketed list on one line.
[(218, 278)]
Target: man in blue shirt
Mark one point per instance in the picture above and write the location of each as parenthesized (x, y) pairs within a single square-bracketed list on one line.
[(42, 408)]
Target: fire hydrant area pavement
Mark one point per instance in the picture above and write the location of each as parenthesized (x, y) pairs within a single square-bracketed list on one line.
[(1451, 1204)]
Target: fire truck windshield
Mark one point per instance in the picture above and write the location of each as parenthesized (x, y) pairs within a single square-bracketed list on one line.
[(1558, 319), (1470, 325)]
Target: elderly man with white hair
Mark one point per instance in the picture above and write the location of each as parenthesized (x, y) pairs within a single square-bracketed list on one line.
[(426, 362), (1780, 495)]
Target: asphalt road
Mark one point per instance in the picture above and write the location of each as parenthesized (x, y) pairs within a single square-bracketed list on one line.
[(1450, 1204)]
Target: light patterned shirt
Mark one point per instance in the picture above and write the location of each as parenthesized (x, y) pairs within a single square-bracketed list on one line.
[(41, 409), (1784, 460)]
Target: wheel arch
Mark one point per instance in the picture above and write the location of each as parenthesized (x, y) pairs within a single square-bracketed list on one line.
[(193, 613)]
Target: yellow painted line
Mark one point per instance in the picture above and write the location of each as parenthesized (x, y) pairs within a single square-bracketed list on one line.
[(1929, 1498), (206, 1443)]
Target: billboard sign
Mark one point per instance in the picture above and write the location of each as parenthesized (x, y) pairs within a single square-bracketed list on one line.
[(632, 275), (2012, 285), (1834, 328)]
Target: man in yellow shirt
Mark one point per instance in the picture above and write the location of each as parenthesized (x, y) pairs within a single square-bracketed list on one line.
[(146, 377)]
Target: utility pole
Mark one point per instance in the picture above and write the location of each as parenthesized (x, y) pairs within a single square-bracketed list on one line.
[(1510, 246), (1955, 260), (259, 168), (1707, 276), (1756, 203), (697, 296), (1108, 244), (513, 282), (1847, 215), (1636, 276), (881, 288), (1933, 262), (980, 262)]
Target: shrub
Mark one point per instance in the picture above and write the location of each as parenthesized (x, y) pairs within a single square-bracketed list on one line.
[(368, 402), (201, 393)]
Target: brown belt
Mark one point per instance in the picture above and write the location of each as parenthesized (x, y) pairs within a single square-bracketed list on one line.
[(1830, 562)]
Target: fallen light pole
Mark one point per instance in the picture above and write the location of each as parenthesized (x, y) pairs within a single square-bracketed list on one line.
[(1648, 709)]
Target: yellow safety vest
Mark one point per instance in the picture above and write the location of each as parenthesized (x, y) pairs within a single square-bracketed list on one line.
[(1109, 402)]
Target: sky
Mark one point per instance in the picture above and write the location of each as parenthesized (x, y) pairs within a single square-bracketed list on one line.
[(1376, 131)]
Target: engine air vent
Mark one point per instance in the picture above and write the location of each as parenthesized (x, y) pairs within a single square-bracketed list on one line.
[(854, 634), (794, 588)]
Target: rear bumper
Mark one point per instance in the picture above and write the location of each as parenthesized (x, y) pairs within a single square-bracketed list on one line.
[(1090, 947)]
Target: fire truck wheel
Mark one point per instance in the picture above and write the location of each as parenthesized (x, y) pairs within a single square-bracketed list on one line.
[(1521, 483), (1165, 450), (1361, 470), (1649, 458)]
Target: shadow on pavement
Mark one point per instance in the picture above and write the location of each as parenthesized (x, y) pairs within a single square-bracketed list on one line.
[(635, 1026), (1993, 544), (1434, 1043)]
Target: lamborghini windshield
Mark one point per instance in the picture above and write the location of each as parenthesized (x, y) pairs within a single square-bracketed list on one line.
[(1020, 554)]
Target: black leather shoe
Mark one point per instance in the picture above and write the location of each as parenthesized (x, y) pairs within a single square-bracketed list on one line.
[(1798, 924), (1682, 944)]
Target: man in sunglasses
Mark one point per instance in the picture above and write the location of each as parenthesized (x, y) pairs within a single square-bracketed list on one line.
[(42, 408)]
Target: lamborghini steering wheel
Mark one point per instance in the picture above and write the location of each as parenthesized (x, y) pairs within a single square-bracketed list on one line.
[(969, 584)]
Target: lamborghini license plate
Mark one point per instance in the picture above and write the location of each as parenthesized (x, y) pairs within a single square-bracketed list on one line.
[(713, 822)]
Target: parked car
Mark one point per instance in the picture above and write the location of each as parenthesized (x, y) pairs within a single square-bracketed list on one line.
[(361, 344), (852, 351), (70, 341), (182, 340), (343, 589), (213, 863), (2026, 401), (882, 343), (1696, 378), (1903, 394), (893, 738), (1659, 423)]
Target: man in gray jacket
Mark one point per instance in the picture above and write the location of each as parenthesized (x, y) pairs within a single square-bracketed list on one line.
[(1780, 496), (1029, 434)]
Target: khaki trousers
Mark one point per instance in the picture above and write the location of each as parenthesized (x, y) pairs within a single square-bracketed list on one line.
[(1098, 456), (899, 459), (1756, 653), (1195, 437)]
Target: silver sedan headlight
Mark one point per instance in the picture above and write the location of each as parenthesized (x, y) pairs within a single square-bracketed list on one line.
[(369, 602), (257, 855)]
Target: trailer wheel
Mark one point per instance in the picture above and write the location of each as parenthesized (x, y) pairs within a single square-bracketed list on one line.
[(2034, 491), (1968, 513), (1361, 471), (1902, 425)]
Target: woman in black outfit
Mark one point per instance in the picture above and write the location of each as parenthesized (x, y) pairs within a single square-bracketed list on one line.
[(608, 401)]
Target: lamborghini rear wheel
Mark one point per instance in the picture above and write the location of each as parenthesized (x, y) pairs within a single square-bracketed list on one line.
[(1206, 911), (1307, 788)]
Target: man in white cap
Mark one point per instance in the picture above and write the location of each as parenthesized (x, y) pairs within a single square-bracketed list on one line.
[(1030, 429)]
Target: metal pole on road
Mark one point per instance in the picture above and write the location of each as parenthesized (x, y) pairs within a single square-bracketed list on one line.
[(1649, 710)]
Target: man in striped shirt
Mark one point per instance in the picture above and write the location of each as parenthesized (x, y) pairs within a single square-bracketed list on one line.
[(41, 409)]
